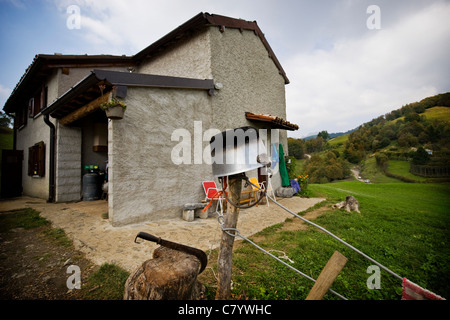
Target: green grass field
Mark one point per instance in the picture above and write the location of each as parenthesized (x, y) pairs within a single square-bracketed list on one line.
[(403, 226), (401, 168), (441, 113)]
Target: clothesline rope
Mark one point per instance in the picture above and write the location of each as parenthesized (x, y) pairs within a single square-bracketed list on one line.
[(236, 233), (340, 240), (334, 236)]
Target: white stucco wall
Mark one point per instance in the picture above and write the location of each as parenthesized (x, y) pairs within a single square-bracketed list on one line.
[(251, 82), (144, 182), (33, 132), (189, 58)]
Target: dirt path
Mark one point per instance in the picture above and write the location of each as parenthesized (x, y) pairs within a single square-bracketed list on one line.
[(34, 267), (101, 243)]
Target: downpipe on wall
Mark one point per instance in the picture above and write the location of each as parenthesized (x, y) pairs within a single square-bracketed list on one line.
[(51, 182)]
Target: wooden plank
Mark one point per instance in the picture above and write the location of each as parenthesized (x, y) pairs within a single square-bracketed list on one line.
[(85, 110), (327, 276)]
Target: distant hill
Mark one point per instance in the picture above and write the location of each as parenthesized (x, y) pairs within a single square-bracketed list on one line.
[(332, 135), (419, 124), (397, 135)]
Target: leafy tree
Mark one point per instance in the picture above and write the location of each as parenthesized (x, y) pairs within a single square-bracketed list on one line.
[(327, 168), (421, 156), (5, 120), (315, 145), (324, 135), (382, 160), (297, 148)]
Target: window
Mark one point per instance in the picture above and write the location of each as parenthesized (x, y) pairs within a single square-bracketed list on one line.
[(38, 102), (21, 117), (31, 105), (36, 160)]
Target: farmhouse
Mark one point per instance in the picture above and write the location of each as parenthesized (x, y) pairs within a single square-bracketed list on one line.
[(210, 74)]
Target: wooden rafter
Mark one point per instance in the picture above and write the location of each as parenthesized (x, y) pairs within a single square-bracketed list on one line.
[(85, 110)]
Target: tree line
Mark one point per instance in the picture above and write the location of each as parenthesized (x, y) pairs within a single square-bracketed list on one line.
[(402, 129)]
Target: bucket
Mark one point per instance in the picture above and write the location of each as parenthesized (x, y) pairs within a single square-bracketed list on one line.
[(237, 151)]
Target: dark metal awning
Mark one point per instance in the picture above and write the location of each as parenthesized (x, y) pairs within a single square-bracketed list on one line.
[(272, 121), (100, 82)]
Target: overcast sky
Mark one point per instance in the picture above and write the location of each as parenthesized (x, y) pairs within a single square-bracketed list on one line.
[(346, 64)]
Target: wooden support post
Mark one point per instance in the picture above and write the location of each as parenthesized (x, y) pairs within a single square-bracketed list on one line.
[(224, 263), (85, 110), (327, 276)]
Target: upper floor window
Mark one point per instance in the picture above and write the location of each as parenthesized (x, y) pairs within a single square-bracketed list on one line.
[(21, 117), (38, 102)]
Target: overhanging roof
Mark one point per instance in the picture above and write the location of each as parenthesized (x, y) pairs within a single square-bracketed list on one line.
[(201, 21), (102, 81), (43, 66), (271, 121)]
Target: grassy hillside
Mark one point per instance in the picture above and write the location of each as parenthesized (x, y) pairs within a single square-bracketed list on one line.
[(6, 138), (439, 113), (402, 226), (403, 134)]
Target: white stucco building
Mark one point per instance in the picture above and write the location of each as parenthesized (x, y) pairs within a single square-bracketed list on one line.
[(201, 78)]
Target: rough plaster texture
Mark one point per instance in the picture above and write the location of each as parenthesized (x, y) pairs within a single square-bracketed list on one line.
[(251, 82), (189, 58), (144, 182), (68, 164), (68, 145), (35, 131)]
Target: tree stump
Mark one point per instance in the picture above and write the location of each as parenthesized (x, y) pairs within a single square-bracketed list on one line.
[(170, 275), (350, 204)]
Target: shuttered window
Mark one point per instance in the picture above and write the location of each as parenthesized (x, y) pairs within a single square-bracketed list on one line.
[(36, 160), (38, 103), (21, 117)]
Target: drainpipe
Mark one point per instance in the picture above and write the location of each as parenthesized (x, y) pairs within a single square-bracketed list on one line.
[(51, 182)]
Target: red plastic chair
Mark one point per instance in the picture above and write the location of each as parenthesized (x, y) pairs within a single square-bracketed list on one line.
[(213, 194)]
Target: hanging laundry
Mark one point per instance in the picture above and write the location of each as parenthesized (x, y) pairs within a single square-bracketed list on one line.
[(412, 291), (275, 158), (283, 170)]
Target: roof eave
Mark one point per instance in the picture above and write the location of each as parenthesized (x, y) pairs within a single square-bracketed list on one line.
[(46, 62), (203, 20), (117, 78)]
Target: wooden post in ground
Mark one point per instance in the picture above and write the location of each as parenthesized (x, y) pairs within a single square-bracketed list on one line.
[(224, 262), (327, 276)]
